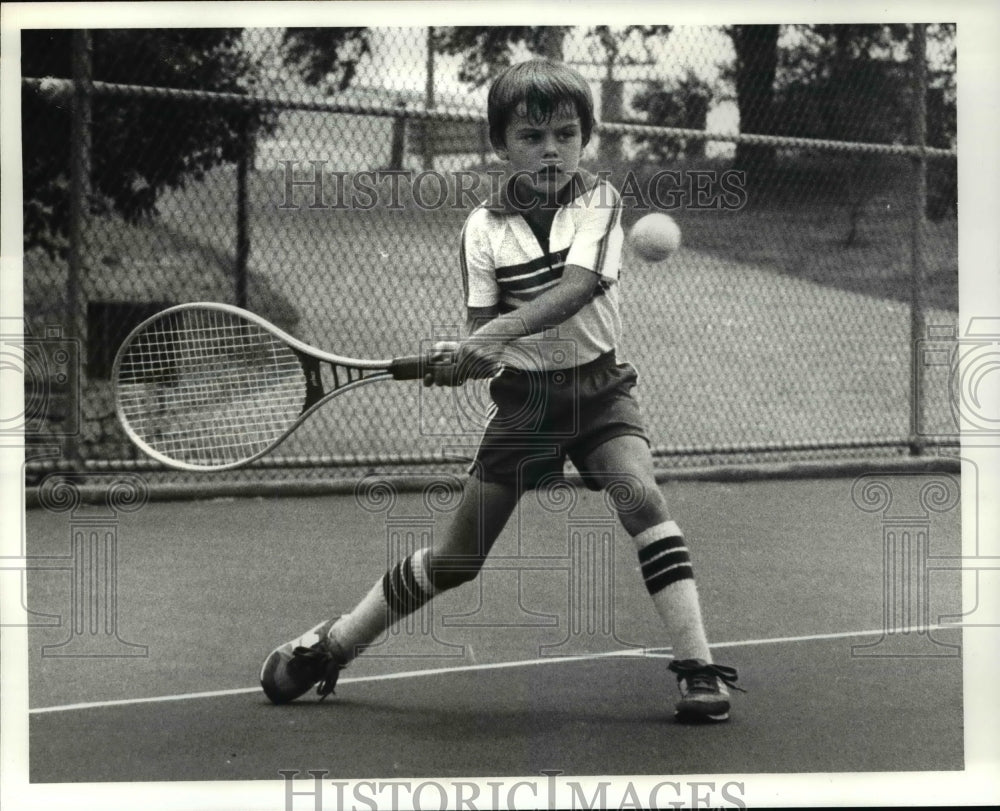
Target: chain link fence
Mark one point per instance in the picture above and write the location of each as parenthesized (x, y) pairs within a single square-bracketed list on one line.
[(320, 177)]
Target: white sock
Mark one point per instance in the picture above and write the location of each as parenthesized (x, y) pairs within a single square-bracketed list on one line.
[(403, 589), (669, 578)]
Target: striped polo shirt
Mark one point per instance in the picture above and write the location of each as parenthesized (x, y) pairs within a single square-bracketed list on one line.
[(504, 264)]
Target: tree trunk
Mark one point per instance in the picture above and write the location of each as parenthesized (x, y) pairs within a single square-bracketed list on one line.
[(756, 64), (552, 42)]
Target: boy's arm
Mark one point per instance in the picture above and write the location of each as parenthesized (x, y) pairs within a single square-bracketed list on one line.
[(477, 317), (490, 332), (551, 308)]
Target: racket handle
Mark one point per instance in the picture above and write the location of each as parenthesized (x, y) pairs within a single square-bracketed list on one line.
[(410, 367), (414, 367)]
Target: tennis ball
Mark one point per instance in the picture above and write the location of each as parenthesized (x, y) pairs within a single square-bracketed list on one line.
[(655, 237)]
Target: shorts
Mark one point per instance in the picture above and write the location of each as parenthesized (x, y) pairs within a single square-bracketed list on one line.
[(542, 418)]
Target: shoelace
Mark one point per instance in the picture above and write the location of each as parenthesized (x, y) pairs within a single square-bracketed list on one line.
[(701, 676), (319, 658)]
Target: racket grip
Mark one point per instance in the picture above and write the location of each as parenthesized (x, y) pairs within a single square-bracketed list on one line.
[(410, 367), (414, 367)]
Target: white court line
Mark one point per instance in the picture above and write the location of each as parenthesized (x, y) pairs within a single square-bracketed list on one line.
[(437, 671)]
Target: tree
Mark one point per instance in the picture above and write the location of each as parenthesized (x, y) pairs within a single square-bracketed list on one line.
[(325, 55), (753, 73), (853, 82), (845, 83), (140, 146), (681, 103), (486, 50), (614, 47)]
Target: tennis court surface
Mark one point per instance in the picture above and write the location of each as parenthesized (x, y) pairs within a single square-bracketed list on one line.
[(552, 660)]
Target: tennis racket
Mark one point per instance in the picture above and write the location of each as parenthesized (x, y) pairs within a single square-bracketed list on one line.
[(209, 386)]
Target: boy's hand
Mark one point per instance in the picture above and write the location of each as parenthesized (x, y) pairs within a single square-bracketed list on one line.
[(454, 362)]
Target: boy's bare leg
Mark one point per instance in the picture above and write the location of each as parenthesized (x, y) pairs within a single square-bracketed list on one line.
[(456, 558), (626, 465), (318, 656)]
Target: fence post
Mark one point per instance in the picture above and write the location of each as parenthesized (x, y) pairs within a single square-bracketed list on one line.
[(609, 148), (429, 104), (242, 216), (79, 197), (398, 145), (918, 136)]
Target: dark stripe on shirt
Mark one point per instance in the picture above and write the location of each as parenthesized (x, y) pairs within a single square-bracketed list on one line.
[(546, 261)]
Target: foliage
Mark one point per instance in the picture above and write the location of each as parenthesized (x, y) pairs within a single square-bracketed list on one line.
[(325, 55), (753, 74), (132, 158), (854, 83), (845, 82), (487, 50), (681, 103)]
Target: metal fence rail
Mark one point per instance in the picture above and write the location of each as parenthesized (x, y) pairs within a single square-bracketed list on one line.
[(796, 321)]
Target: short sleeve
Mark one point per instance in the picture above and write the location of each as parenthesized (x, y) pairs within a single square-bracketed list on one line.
[(598, 237), (478, 265)]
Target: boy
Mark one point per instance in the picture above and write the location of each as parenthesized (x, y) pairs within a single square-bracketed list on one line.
[(540, 258)]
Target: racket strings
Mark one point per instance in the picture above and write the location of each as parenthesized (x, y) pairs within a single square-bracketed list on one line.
[(209, 387)]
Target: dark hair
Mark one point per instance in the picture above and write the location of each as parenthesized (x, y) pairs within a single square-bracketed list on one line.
[(543, 87)]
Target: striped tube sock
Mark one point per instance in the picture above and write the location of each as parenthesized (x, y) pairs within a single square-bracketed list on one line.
[(403, 589), (669, 577)]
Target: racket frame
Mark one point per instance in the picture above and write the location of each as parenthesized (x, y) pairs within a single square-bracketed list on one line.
[(311, 358)]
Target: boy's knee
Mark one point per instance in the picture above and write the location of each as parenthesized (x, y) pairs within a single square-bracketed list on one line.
[(626, 493)]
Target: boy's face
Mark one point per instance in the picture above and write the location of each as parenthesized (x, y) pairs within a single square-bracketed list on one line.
[(545, 153)]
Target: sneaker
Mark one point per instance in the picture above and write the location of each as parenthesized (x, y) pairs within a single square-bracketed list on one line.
[(293, 668), (704, 693)]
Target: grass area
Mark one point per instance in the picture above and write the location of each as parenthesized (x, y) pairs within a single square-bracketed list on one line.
[(808, 242), (764, 327), (845, 224)]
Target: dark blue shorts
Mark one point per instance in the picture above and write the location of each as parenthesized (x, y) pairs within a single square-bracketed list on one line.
[(542, 418)]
